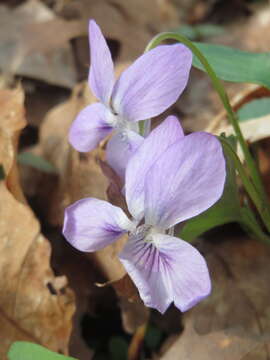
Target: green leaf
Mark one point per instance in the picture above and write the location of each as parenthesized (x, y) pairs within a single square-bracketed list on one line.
[(236, 65), (21, 350), (254, 109), (226, 210), (200, 31), (37, 162)]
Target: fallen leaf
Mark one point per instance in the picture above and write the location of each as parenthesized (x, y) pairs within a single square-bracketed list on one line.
[(34, 304), (221, 345), (220, 122), (140, 20), (239, 270), (12, 120), (254, 130), (249, 35), (43, 56), (51, 58)]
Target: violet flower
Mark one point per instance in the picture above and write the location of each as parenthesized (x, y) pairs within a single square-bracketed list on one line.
[(169, 179), (146, 89)]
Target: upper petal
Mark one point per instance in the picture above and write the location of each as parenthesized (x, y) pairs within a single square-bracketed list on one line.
[(120, 148), (185, 181), (89, 128), (101, 75), (152, 83), (152, 147), (166, 270), (91, 224)]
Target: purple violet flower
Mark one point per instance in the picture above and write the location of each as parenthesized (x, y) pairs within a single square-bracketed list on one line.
[(146, 89), (169, 179)]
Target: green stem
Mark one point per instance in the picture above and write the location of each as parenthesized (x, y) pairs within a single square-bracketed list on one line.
[(250, 225), (145, 127), (252, 191), (255, 176)]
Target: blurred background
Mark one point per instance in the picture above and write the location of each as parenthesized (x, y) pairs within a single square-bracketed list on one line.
[(44, 64)]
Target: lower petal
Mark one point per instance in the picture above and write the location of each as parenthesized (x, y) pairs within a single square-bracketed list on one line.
[(120, 148), (91, 224), (165, 270), (89, 128)]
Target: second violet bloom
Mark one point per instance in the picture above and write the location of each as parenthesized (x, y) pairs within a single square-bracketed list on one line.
[(169, 179), (146, 89)]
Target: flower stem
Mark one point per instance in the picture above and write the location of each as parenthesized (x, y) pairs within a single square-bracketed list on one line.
[(260, 196), (145, 127), (250, 224), (248, 184)]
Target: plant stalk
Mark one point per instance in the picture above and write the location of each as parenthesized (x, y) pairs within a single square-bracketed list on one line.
[(255, 187)]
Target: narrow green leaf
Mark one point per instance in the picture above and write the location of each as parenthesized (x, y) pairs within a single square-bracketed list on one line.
[(37, 162), (21, 350), (236, 65), (226, 210), (254, 109)]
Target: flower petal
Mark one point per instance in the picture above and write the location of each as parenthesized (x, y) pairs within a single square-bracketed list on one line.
[(185, 181), (91, 224), (152, 83), (120, 148), (166, 270), (89, 128), (101, 75), (151, 149)]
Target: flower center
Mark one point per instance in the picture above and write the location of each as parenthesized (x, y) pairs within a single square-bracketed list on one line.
[(119, 122), (146, 232)]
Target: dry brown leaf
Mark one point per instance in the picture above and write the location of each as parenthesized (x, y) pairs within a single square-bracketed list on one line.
[(220, 123), (253, 35), (43, 56), (34, 304), (253, 130), (131, 23), (12, 120), (29, 309), (239, 270), (50, 58), (221, 345)]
